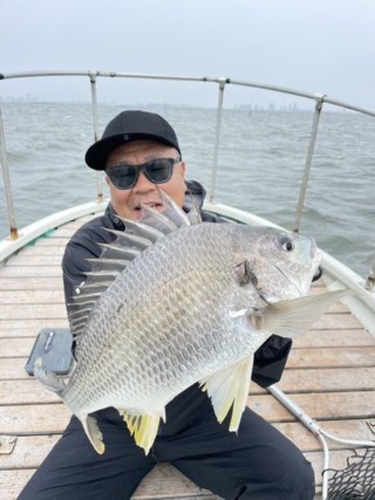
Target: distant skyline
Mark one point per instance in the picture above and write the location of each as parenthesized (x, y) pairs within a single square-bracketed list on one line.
[(312, 45), (291, 107)]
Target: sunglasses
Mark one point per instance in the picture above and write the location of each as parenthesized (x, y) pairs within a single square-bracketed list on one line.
[(157, 171)]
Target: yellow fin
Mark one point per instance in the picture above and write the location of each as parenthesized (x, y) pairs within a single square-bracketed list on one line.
[(293, 317), (144, 428), (230, 387), (92, 430)]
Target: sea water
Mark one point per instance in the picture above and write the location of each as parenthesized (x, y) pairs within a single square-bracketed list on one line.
[(260, 167)]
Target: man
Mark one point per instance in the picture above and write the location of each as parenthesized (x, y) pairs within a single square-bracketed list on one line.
[(140, 155)]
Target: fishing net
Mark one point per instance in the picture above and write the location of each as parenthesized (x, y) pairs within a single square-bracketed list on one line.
[(357, 480)]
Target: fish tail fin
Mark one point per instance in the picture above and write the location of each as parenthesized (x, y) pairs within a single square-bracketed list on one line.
[(91, 428), (144, 428), (48, 379), (292, 317)]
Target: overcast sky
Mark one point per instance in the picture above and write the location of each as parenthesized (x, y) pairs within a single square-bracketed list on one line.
[(325, 46)]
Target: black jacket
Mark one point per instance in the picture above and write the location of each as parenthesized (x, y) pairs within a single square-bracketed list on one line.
[(269, 360)]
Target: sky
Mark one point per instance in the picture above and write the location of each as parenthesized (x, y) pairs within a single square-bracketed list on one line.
[(322, 46)]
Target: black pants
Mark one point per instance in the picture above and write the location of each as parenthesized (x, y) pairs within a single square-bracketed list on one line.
[(258, 464)]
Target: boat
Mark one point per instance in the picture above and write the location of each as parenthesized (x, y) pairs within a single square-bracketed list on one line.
[(325, 401)]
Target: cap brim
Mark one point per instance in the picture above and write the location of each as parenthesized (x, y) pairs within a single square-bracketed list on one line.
[(97, 155)]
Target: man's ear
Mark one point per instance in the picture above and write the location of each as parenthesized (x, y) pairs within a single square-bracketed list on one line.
[(183, 167)]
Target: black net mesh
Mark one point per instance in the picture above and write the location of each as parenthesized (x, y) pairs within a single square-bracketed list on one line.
[(357, 480)]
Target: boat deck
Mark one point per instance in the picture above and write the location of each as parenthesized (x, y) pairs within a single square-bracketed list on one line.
[(330, 375)]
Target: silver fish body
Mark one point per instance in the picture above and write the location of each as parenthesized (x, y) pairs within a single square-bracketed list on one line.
[(192, 307), (166, 322)]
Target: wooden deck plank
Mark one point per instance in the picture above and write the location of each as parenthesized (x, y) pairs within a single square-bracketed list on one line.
[(352, 378), (39, 250), (12, 368), (332, 357), (32, 419), (320, 406), (19, 327), (32, 311), (336, 321), (16, 297), (25, 391), (31, 272), (334, 338), (53, 241), (31, 283), (33, 260)]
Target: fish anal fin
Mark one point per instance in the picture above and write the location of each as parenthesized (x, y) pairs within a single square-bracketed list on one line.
[(229, 388), (93, 433), (144, 428)]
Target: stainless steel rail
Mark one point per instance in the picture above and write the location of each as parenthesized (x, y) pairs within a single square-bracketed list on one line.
[(318, 99)]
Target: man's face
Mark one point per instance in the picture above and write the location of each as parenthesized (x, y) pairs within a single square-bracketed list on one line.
[(126, 202)]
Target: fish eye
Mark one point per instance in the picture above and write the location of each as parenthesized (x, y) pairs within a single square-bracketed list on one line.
[(286, 243)]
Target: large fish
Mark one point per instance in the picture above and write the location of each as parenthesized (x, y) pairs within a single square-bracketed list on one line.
[(172, 303)]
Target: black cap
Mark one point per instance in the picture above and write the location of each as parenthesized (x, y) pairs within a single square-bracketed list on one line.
[(130, 126)]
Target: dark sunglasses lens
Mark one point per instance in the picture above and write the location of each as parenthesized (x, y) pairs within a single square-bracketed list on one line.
[(159, 171), (123, 176)]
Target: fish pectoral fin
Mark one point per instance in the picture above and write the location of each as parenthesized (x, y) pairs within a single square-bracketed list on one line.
[(230, 387), (93, 433), (292, 317), (144, 428)]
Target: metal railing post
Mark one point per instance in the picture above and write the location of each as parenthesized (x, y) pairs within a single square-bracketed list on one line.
[(370, 282), (94, 103), (310, 152), (7, 184), (222, 82)]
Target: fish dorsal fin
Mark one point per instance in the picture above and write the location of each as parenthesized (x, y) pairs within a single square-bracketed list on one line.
[(144, 428), (171, 219), (172, 212), (229, 388), (116, 256), (145, 230)]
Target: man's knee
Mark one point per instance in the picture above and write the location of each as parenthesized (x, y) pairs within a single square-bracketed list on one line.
[(292, 479), (300, 484)]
